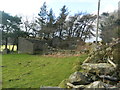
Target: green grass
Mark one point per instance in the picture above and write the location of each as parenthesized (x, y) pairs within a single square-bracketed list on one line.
[(24, 71)]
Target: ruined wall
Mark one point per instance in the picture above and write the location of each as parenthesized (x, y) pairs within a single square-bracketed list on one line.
[(39, 47), (25, 46), (31, 46)]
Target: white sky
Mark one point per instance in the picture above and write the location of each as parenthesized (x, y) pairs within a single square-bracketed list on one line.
[(32, 7)]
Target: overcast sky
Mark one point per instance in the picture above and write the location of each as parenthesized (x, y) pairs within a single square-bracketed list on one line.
[(31, 8)]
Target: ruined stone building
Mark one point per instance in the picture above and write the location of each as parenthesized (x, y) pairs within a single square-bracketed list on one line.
[(36, 46), (31, 46)]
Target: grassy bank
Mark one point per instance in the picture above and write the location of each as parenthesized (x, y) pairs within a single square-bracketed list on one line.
[(24, 71)]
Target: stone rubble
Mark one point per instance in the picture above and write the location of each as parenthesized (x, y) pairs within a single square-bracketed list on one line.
[(100, 70)]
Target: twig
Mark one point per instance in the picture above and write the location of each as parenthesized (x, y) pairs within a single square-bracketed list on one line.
[(112, 63)]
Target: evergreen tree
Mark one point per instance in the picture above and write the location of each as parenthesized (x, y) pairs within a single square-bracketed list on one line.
[(42, 19), (43, 14), (51, 27), (61, 20)]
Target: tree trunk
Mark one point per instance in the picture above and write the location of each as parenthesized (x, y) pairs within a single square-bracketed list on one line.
[(6, 42), (60, 32), (17, 47), (13, 47)]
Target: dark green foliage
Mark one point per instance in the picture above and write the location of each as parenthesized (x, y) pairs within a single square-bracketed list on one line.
[(11, 28), (46, 20), (43, 14), (61, 21), (80, 25)]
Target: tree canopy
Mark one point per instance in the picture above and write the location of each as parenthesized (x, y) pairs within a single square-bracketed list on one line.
[(109, 26)]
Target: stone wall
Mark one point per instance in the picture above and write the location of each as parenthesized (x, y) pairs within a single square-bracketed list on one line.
[(32, 46), (100, 70), (25, 46)]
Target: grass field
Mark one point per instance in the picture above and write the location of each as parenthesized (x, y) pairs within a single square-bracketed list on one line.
[(25, 71)]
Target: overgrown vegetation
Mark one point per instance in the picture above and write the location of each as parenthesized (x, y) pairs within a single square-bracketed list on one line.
[(24, 71)]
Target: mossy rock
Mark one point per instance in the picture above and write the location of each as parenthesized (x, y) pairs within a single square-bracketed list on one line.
[(76, 68), (116, 56), (63, 84), (78, 78)]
